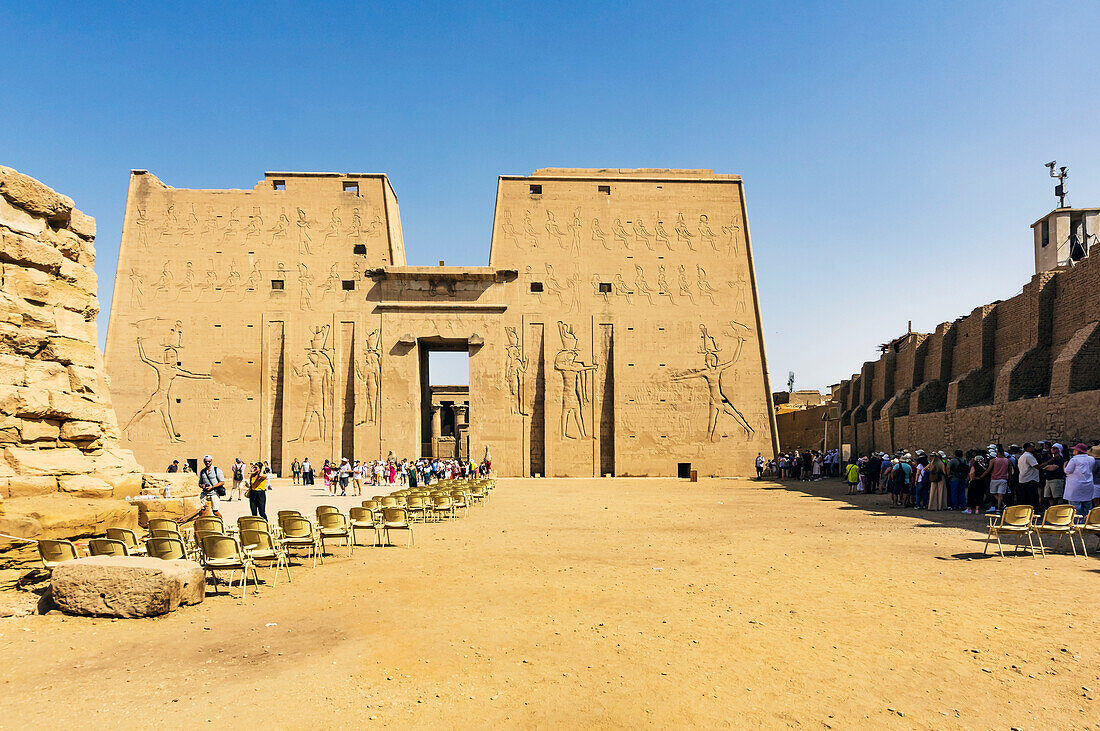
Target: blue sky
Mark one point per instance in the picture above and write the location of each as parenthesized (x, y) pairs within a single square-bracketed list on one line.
[(892, 153)]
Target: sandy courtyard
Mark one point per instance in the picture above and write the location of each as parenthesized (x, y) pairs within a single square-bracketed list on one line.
[(605, 603)]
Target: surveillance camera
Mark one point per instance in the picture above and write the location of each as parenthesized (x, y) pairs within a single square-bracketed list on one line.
[(1051, 164)]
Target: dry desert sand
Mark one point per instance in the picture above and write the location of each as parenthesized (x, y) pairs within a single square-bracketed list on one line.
[(607, 604)]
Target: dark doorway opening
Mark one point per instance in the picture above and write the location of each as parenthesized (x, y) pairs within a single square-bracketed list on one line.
[(683, 470), (444, 397)]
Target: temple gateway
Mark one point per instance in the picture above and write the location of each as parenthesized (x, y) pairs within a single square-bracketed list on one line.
[(615, 331)]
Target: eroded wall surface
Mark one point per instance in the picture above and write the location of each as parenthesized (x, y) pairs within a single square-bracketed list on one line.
[(58, 433)]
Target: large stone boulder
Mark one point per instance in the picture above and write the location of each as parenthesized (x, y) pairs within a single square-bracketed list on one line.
[(64, 516), (177, 484), (126, 586), (171, 508)]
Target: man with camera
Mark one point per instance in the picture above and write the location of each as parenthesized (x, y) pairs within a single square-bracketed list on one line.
[(211, 487)]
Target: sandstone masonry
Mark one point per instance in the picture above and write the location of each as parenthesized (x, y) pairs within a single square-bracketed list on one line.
[(62, 470)]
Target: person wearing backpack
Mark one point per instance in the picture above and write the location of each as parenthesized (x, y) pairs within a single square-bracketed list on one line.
[(211, 487), (238, 478)]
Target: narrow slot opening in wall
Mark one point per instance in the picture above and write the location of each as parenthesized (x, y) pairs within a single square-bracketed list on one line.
[(605, 287), (278, 284), (351, 186), (536, 190), (536, 286), (359, 249), (347, 285), (605, 189), (278, 184)]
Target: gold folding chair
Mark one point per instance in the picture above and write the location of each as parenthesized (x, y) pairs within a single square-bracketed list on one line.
[(1015, 520), (333, 526), (298, 533), (363, 519), (54, 552), (107, 547), (1091, 526), (222, 553), (1057, 520), (167, 549), (260, 545), (396, 519), (127, 536)]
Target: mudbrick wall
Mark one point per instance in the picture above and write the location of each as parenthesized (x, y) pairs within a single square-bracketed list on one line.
[(1024, 369), (62, 472)]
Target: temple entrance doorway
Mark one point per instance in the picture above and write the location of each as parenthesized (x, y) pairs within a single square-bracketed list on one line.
[(445, 398)]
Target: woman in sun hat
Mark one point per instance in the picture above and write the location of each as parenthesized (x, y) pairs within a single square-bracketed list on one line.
[(1079, 486)]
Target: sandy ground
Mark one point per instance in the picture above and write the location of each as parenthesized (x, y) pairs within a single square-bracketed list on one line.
[(605, 603)]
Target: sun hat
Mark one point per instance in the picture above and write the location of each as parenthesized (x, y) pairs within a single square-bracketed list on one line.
[(1080, 447), (207, 457), (942, 454)]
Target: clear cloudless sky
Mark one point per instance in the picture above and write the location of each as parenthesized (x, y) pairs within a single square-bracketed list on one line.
[(892, 152)]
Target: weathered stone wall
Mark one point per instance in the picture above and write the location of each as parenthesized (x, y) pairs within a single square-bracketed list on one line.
[(58, 434), (1024, 369)]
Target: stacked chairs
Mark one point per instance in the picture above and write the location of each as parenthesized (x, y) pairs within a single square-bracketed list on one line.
[(459, 501)]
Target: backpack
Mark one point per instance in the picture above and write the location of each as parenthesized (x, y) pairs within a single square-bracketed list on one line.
[(238, 473)]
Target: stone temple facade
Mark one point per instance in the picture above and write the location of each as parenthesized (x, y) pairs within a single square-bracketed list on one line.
[(615, 330)]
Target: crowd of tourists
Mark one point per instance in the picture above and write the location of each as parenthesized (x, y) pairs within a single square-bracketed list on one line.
[(986, 480), (254, 480)]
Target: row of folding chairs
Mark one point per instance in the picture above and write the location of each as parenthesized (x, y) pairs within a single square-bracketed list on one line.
[(1058, 520)]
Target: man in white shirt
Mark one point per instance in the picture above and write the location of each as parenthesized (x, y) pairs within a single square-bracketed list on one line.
[(1028, 490)]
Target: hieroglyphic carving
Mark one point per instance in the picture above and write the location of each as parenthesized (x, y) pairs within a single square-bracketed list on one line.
[(187, 284), (711, 373), (355, 229), (704, 286), (515, 371), (620, 233), (232, 283), (640, 285), (685, 284), (305, 284), (598, 234), (683, 235), (164, 282), (304, 239), (662, 285), (368, 376), (643, 235), (575, 233), (740, 289), (529, 229), (190, 225), (335, 225), (621, 290), (705, 232), (660, 235), (135, 288), (142, 224), (552, 228), (168, 369), (317, 370), (331, 284), (254, 276), (596, 282), (508, 230), (280, 231), (733, 236), (576, 379), (553, 286)]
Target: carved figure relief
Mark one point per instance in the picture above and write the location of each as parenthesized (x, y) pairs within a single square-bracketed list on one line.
[(375, 227), (508, 230), (281, 229), (705, 232), (575, 233), (355, 231), (208, 225), (252, 233), (210, 285), (552, 228), (733, 235), (621, 290), (576, 378), (232, 226), (704, 286), (368, 377), (552, 286), (515, 370), (640, 285), (135, 288), (596, 281), (740, 288), (660, 235), (529, 229), (142, 229), (683, 235), (317, 370), (685, 285), (304, 239), (598, 235), (620, 234), (332, 282), (662, 285), (190, 224), (187, 284), (719, 395), (305, 284), (164, 282), (254, 276), (171, 225), (642, 235), (232, 283), (335, 224), (166, 365)]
